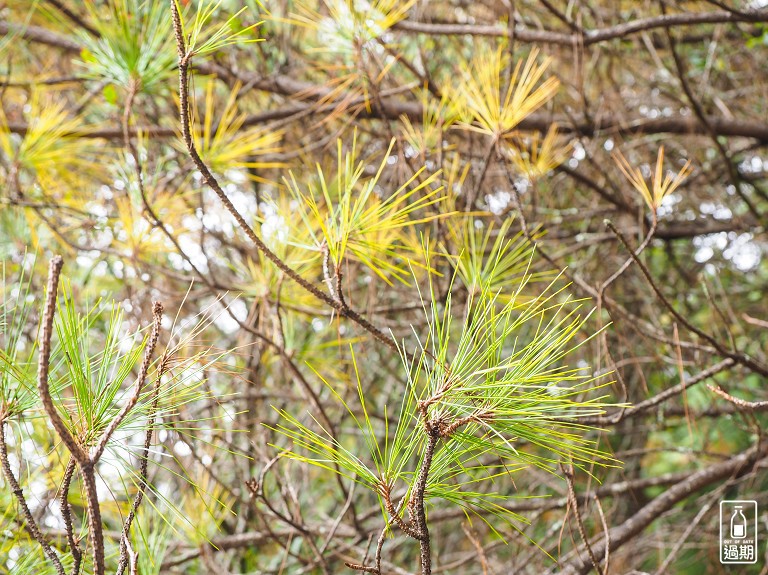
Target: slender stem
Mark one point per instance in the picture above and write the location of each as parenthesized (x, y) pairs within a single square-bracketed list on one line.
[(740, 403), (153, 217), (574, 505), (660, 397), (66, 512), (394, 513), (157, 316), (125, 538), (30, 523), (416, 504), (627, 263), (472, 198), (379, 548), (212, 182)]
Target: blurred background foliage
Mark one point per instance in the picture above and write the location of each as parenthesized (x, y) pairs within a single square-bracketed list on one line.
[(407, 154)]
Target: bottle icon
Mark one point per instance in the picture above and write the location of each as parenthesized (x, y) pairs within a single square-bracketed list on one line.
[(738, 524)]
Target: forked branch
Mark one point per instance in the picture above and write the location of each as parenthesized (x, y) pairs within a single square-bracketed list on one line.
[(185, 58), (84, 460)]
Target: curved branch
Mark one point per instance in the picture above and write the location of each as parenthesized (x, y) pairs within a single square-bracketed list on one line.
[(588, 37), (81, 456), (621, 534), (29, 520), (212, 182)]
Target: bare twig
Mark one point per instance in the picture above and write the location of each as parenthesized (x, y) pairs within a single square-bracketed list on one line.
[(66, 512), (589, 36), (740, 403), (29, 521), (606, 530), (573, 503), (626, 264), (477, 544), (621, 534), (149, 350), (737, 356), (660, 397)]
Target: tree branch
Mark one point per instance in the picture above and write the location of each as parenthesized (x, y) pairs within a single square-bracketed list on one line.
[(587, 37), (210, 179), (29, 520), (621, 534), (736, 355), (157, 317), (81, 456), (66, 512)]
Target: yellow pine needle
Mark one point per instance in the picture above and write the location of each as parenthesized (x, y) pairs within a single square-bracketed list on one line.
[(226, 145), (138, 236), (437, 117), (351, 218), (53, 147), (343, 34), (294, 244), (660, 187), (136, 230), (540, 158), (485, 110)]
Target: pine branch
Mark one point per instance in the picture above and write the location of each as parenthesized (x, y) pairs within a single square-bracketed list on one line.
[(157, 316), (184, 63), (125, 556), (66, 512), (81, 456), (30, 524)]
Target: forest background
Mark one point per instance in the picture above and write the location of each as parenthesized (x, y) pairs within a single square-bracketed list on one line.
[(386, 286)]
